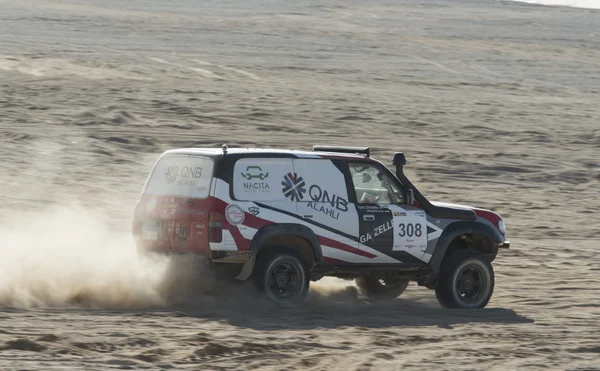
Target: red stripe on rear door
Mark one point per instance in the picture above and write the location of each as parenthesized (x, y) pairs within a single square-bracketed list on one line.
[(342, 246)]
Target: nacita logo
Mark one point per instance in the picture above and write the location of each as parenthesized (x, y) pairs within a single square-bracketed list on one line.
[(255, 172), (293, 186), (255, 177)]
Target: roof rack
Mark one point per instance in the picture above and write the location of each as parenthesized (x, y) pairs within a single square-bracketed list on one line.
[(356, 150)]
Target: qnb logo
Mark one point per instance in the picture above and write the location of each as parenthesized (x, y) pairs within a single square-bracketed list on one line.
[(293, 187), (171, 174)]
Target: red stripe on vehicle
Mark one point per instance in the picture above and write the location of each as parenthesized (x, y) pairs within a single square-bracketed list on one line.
[(490, 216), (342, 246), (250, 220), (241, 243)]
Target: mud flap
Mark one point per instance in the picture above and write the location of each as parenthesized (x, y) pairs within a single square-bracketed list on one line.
[(246, 269)]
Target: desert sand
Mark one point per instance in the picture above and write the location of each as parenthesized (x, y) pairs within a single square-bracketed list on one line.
[(495, 103)]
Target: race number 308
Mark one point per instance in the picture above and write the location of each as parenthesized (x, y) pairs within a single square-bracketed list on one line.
[(410, 230)]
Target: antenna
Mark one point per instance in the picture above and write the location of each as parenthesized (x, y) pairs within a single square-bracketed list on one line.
[(224, 148)]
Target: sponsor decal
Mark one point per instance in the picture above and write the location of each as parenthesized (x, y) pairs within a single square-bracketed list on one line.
[(171, 174), (334, 204), (256, 187), (255, 172), (200, 214), (293, 186), (420, 213), (234, 214), (186, 175), (372, 208), (376, 232), (399, 213), (294, 189), (324, 210), (319, 195), (254, 210), (255, 177)]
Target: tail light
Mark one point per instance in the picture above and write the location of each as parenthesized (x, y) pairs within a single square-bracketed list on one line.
[(215, 228)]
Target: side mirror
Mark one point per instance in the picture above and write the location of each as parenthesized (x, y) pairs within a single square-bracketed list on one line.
[(410, 197)]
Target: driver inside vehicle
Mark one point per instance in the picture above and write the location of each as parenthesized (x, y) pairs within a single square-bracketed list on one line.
[(373, 186)]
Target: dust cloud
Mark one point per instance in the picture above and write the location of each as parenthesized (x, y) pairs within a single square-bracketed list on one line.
[(67, 255)]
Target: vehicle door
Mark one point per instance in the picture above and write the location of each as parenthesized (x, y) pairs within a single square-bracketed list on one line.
[(323, 205), (175, 204), (386, 223)]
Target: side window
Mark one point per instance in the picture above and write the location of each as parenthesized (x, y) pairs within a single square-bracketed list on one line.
[(373, 186), (259, 179)]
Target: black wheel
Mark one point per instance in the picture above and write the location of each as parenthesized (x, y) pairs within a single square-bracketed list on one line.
[(381, 289), (466, 280), (281, 274)]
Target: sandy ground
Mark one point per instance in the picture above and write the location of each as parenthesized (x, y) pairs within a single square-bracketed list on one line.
[(495, 103)]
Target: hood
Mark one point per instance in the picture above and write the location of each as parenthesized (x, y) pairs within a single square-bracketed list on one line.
[(488, 215)]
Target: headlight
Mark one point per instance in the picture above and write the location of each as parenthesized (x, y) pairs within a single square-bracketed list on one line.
[(502, 227)]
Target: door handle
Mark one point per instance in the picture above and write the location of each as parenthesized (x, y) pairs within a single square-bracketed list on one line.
[(369, 218), (308, 216)]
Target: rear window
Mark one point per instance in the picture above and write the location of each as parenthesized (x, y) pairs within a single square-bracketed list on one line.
[(184, 176)]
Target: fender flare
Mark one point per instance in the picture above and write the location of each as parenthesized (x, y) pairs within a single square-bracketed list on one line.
[(287, 229), (456, 229)]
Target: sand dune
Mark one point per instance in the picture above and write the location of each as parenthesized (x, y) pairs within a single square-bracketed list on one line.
[(494, 103)]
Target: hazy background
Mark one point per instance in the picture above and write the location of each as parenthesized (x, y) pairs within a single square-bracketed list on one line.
[(495, 104)]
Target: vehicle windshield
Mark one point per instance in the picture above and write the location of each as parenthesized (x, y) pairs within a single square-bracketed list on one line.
[(181, 175)]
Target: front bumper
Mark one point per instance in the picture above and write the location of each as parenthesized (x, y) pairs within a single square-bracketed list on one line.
[(504, 245)]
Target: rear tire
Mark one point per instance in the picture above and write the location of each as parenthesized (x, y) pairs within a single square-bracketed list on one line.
[(466, 280), (377, 289), (282, 275)]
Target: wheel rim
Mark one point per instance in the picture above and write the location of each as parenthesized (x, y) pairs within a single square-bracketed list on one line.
[(471, 283), (284, 280)]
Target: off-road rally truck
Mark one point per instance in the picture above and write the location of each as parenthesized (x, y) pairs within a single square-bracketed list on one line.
[(284, 218)]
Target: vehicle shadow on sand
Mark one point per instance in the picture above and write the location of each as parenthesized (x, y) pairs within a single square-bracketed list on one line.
[(242, 307), (264, 315), (341, 308), (368, 316)]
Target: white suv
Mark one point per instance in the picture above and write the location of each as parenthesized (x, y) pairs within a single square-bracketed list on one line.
[(284, 218)]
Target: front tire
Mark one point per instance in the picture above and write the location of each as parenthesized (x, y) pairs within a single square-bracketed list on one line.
[(466, 281), (282, 275), (376, 289)]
